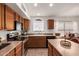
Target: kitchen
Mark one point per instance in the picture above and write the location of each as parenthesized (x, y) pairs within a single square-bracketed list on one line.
[(31, 29)]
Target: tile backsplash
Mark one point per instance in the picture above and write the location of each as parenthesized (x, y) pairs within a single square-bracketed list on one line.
[(3, 34)]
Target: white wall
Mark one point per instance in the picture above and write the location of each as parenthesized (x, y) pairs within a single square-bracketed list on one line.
[(3, 34), (57, 19)]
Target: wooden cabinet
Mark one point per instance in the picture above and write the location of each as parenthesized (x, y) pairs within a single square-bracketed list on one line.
[(17, 17), (25, 46), (11, 53), (42, 41), (50, 24), (32, 42), (17, 51), (37, 41), (52, 51), (55, 52), (26, 24), (9, 19), (1, 16)]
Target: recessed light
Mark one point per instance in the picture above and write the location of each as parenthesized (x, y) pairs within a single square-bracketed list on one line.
[(50, 4), (38, 14), (35, 4)]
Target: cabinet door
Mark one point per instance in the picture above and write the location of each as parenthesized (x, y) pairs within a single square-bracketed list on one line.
[(19, 50), (41, 41), (26, 24), (11, 53), (50, 24), (9, 19), (1, 16), (17, 17), (37, 41), (32, 41), (25, 46), (50, 50), (55, 52)]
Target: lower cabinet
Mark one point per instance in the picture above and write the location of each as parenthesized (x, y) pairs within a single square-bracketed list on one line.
[(25, 47), (11, 53), (55, 52), (17, 51), (37, 41), (52, 51)]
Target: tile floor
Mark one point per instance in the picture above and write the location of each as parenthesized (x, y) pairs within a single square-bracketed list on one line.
[(37, 52)]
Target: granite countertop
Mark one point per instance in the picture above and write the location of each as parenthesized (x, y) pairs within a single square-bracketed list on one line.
[(39, 35), (73, 51), (26, 39), (10, 47)]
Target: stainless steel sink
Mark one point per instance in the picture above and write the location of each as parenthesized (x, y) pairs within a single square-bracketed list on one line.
[(3, 45), (65, 44)]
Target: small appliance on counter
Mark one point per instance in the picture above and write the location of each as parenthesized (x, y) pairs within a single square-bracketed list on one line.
[(11, 37), (15, 37)]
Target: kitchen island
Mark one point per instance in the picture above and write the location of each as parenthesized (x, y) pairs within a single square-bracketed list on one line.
[(55, 49)]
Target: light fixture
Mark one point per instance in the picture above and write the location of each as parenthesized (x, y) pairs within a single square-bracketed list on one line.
[(38, 14), (50, 4), (35, 4)]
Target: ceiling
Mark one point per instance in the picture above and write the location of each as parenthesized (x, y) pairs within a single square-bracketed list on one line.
[(58, 9)]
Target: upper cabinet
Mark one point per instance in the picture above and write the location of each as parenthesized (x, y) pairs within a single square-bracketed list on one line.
[(9, 19), (26, 24), (50, 23), (17, 17), (1, 16)]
